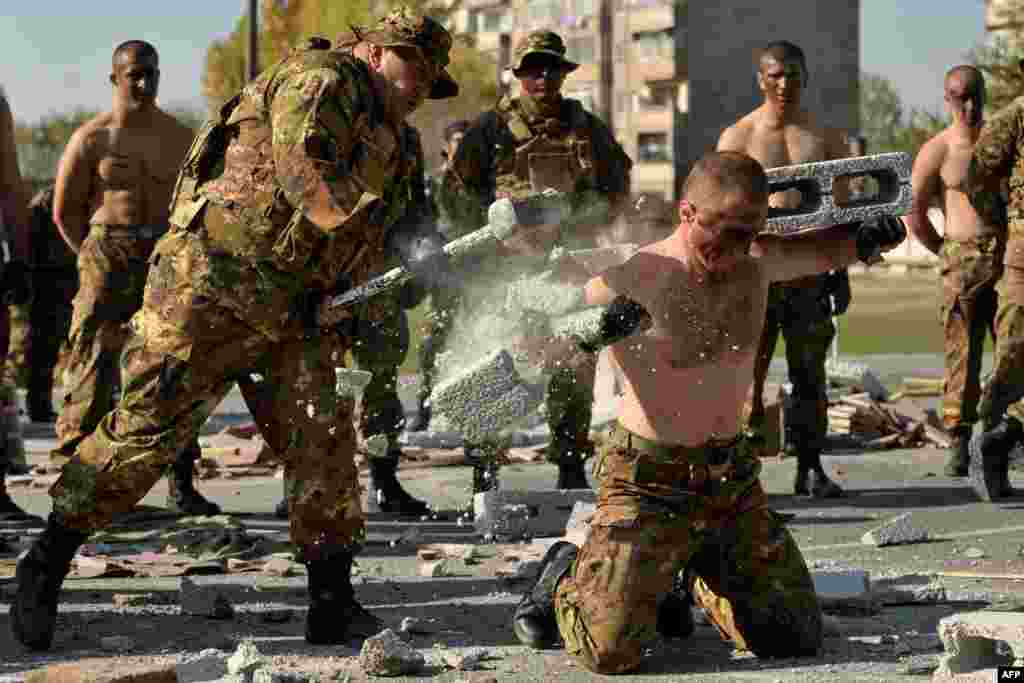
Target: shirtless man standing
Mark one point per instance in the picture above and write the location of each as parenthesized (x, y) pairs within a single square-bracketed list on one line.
[(971, 253), (678, 478), (780, 133), (111, 202)]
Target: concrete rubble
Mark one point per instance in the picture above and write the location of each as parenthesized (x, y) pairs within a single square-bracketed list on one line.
[(896, 531), (970, 640), (386, 654)]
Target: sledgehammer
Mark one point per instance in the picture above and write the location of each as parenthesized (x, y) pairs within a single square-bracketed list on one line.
[(503, 218)]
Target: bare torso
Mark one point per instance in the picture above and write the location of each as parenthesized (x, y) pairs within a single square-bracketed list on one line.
[(687, 376), (120, 174), (962, 221), (775, 143)]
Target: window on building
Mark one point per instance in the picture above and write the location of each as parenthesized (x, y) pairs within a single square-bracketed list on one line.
[(653, 147), (580, 49), (649, 45), (656, 97), (493, 20)]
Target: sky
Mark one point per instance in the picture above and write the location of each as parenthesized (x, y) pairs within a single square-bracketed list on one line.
[(58, 51)]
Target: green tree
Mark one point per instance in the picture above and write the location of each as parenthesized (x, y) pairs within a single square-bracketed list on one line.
[(41, 144), (887, 125), (283, 24)]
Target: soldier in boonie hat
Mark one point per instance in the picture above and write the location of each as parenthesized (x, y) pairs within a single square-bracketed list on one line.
[(404, 27), (547, 45)]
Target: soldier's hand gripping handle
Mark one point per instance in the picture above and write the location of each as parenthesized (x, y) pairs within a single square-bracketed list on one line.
[(424, 258), (879, 234)]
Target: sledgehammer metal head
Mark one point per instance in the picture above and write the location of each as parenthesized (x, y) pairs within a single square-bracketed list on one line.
[(815, 181), (503, 218)]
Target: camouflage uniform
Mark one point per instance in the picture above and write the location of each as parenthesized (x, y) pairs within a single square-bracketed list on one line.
[(970, 271), (514, 151), (112, 265), (232, 287), (662, 509), (55, 273), (998, 157)]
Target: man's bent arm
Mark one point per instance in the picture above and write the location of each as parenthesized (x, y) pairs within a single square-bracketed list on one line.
[(12, 186), (313, 114), (788, 258), (72, 190), (926, 185)]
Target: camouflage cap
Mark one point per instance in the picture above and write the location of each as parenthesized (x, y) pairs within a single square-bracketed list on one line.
[(406, 27), (542, 43)]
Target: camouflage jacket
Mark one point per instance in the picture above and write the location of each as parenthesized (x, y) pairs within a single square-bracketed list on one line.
[(505, 154), (998, 165), (312, 175)]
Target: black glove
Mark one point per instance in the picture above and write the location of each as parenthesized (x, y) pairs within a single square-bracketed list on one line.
[(879, 234), (838, 291), (16, 283), (422, 254)]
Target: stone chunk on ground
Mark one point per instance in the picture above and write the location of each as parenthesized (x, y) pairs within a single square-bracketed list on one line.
[(386, 654), (896, 531)]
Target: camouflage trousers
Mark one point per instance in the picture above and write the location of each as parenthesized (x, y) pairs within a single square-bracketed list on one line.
[(112, 267), (970, 270), (1004, 390), (800, 310), (185, 353), (380, 346), (664, 509), (49, 323)]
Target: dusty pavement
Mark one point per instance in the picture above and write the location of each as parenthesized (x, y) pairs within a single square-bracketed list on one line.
[(470, 606)]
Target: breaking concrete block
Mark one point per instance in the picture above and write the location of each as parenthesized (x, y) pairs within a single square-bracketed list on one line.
[(203, 601), (415, 625), (896, 531), (385, 654), (815, 182), (970, 639), (511, 514), (207, 666)]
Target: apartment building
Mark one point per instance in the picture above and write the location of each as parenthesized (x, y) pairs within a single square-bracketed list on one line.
[(648, 97)]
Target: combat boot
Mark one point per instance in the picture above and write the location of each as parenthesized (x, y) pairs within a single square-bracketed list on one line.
[(675, 612), (534, 619), (334, 615), (9, 510), (385, 492), (959, 461), (811, 479), (39, 577), (989, 453), (485, 477), (182, 496)]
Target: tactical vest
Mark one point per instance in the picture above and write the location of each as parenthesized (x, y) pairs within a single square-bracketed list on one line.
[(228, 177), (555, 153)]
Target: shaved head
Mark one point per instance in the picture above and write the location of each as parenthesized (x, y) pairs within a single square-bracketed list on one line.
[(782, 51), (134, 47), (718, 173), (967, 76)]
